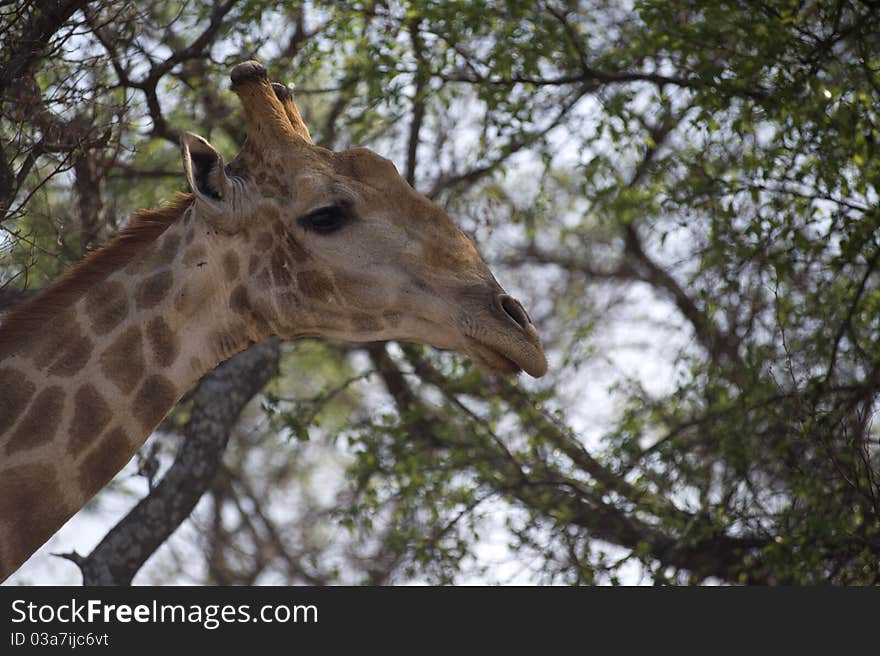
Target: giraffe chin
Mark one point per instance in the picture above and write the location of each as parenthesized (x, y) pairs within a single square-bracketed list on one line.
[(490, 360)]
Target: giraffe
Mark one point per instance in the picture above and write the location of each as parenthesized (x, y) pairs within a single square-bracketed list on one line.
[(290, 240)]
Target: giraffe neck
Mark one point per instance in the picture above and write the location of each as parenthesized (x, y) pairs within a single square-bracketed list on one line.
[(81, 392)]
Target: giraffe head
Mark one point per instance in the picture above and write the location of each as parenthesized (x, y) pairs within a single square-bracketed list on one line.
[(339, 245)]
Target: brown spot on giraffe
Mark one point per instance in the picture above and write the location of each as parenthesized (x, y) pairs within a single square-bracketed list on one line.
[(255, 155), (59, 334), (349, 289), (41, 421), (264, 241), (297, 252), (230, 265), (106, 306), (167, 251), (123, 361), (103, 461), (137, 263), (73, 358), (154, 398), (314, 284), (253, 264), (239, 301), (24, 489), (261, 324), (271, 213), (91, 415), (152, 290), (163, 343), (281, 273), (15, 393)]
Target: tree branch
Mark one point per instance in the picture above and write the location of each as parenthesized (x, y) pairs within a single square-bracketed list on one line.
[(418, 103), (516, 144), (26, 49), (149, 83), (710, 552)]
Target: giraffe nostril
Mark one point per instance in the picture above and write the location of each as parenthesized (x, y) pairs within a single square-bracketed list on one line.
[(515, 311)]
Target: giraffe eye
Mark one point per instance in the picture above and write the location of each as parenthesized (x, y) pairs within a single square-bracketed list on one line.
[(324, 220)]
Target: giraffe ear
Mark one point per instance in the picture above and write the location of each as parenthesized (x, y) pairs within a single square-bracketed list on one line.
[(203, 167), (207, 178)]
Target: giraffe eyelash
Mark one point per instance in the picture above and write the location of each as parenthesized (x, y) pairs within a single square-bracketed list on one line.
[(325, 220)]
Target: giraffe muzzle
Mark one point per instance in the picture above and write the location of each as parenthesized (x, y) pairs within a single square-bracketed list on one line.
[(507, 341)]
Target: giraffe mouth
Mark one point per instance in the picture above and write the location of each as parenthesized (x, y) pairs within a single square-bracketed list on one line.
[(492, 359), (503, 340)]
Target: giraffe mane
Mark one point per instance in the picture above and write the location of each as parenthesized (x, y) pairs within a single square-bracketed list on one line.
[(29, 317)]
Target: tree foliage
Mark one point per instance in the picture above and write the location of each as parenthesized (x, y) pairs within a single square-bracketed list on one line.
[(684, 191)]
